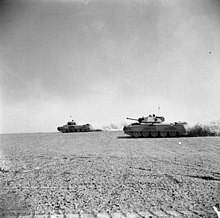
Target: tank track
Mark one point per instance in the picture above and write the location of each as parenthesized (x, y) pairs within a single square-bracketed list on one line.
[(131, 214), (153, 134)]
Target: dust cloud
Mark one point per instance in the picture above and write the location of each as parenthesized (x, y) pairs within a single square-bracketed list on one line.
[(211, 129), (114, 126)]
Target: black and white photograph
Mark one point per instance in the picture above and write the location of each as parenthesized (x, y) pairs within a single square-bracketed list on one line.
[(109, 108)]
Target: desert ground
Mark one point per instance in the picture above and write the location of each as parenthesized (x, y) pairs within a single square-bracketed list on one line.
[(109, 173)]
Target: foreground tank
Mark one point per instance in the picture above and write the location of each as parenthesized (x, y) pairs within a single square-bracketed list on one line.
[(73, 127), (153, 126)]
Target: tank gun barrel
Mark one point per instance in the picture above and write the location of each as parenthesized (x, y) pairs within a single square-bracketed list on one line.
[(128, 118)]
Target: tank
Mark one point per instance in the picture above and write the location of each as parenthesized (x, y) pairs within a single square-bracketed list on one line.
[(71, 126), (154, 126)]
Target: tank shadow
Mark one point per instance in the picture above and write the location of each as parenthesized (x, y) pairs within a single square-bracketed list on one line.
[(168, 137), (150, 137)]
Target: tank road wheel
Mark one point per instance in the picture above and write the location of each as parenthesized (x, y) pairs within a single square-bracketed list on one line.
[(172, 133), (145, 133), (154, 134), (163, 134), (77, 130), (136, 134), (82, 130)]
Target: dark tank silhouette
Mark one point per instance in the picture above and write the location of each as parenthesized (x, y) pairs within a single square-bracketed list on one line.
[(72, 126), (153, 126)]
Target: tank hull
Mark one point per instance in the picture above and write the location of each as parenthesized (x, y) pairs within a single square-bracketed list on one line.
[(154, 130), (77, 128)]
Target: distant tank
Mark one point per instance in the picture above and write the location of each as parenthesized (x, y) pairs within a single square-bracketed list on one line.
[(71, 126), (153, 126)]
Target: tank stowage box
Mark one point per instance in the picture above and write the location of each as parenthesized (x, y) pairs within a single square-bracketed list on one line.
[(73, 127), (153, 126)]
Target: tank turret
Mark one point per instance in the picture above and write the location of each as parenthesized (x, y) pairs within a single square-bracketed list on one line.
[(149, 119), (71, 123), (154, 126)]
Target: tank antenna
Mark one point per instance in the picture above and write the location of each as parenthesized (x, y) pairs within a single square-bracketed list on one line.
[(158, 108)]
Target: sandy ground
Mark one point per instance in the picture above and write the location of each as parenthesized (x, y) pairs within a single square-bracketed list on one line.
[(108, 171)]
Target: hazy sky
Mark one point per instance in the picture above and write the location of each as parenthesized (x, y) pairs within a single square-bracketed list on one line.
[(104, 60)]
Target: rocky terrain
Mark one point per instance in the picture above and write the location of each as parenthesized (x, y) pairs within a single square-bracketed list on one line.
[(107, 172)]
